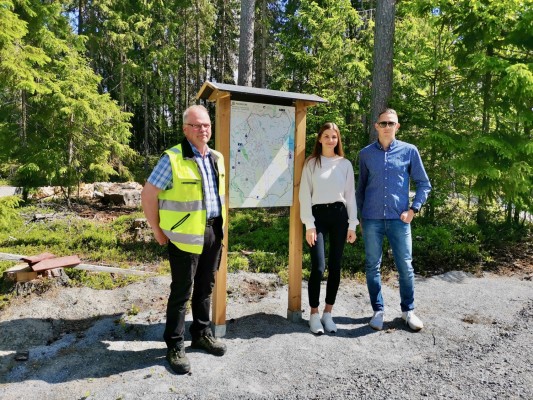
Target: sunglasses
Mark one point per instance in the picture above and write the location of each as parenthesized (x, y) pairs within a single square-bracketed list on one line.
[(390, 124)]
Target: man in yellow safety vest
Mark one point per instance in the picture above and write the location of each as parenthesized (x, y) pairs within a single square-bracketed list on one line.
[(183, 201)]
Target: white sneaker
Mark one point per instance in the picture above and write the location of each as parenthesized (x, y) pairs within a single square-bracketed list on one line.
[(315, 324), (328, 323), (377, 320), (412, 320)]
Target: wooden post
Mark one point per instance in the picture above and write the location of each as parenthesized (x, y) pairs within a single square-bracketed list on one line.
[(294, 310), (222, 140), (221, 94)]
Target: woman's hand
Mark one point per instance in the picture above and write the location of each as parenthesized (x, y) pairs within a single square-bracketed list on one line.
[(351, 236), (310, 236)]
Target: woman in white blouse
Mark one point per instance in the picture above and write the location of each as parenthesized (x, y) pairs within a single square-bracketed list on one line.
[(327, 207)]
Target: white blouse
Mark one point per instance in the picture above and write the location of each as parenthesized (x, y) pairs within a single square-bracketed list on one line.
[(331, 182)]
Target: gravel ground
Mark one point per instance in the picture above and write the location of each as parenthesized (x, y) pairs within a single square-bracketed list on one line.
[(87, 344)]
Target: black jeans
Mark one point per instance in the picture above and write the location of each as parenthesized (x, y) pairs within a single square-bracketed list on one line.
[(330, 219), (192, 273)]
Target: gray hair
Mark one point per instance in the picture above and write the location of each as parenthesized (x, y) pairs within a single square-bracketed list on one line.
[(194, 107)]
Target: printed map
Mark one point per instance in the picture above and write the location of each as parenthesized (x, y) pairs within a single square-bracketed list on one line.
[(261, 155)]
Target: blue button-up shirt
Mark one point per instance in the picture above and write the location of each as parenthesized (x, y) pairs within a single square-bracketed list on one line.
[(384, 176), (161, 177)]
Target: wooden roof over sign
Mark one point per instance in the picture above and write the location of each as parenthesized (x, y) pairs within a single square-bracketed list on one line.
[(214, 90)]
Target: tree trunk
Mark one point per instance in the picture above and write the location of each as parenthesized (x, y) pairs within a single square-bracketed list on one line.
[(260, 58), (23, 118), (173, 110), (121, 87), (81, 8), (482, 212), (221, 53), (197, 45), (70, 169), (145, 110), (246, 42), (383, 56)]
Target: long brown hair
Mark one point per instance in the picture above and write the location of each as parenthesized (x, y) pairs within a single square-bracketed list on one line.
[(317, 150)]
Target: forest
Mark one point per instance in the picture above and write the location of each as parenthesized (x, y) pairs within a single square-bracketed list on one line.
[(94, 90)]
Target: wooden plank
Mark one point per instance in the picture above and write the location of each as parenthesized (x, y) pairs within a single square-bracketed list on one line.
[(222, 140), (295, 224), (86, 267), (111, 270), (257, 95), (40, 257), (58, 262)]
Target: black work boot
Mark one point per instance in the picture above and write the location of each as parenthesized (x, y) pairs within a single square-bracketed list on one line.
[(208, 343), (178, 360)]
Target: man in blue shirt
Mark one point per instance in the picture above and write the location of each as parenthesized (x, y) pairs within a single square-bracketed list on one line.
[(385, 170)]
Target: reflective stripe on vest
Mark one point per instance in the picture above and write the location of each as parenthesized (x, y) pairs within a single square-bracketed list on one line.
[(183, 206), (185, 238)]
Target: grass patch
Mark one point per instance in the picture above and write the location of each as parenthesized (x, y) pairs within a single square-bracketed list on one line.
[(258, 242), (108, 242)]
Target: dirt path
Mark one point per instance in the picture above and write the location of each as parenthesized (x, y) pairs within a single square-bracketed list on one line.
[(86, 344)]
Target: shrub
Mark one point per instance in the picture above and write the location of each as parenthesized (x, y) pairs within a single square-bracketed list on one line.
[(237, 262), (438, 249), (8, 212)]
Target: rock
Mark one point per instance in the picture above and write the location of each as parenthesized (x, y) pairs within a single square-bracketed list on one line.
[(9, 191), (127, 194)]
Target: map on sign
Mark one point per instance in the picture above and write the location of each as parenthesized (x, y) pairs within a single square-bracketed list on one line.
[(261, 155)]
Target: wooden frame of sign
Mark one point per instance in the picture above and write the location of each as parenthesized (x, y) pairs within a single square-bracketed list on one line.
[(222, 94)]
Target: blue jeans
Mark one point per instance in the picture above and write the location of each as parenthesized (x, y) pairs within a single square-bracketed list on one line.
[(399, 235)]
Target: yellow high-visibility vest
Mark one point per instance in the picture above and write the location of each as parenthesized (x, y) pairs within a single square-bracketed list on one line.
[(182, 212)]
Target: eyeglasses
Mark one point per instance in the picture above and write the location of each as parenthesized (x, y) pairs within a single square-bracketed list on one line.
[(390, 124), (197, 127)]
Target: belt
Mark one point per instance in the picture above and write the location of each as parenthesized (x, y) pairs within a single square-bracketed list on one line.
[(337, 204), (211, 221)]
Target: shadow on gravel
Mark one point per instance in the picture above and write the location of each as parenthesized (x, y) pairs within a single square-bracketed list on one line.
[(262, 325), (57, 350)]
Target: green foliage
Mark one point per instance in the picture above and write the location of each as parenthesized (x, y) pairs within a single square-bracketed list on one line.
[(55, 124), (258, 240), (8, 211), (439, 249), (93, 241), (73, 106), (261, 261), (100, 281), (263, 229), (134, 310), (6, 292), (321, 44), (237, 262)]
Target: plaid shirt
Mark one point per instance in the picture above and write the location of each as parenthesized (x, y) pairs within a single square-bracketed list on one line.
[(161, 177)]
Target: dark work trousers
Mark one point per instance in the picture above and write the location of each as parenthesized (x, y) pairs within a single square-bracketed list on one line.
[(192, 273), (330, 220)]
